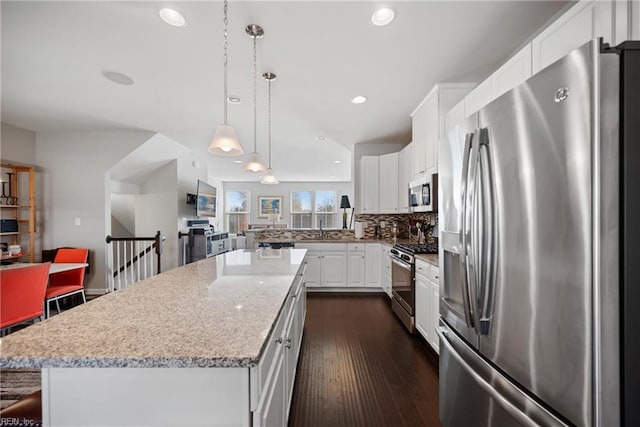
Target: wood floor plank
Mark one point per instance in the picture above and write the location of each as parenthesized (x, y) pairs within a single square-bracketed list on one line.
[(360, 367)]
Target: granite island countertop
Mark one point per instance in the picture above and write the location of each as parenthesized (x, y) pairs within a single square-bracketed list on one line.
[(217, 312)]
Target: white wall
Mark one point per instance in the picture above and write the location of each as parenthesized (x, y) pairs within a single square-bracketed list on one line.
[(284, 189), (76, 184), (17, 145), (157, 201)]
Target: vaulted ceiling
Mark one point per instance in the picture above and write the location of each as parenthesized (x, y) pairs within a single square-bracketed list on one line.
[(324, 53)]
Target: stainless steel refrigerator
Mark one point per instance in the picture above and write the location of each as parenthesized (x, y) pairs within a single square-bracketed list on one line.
[(537, 218)]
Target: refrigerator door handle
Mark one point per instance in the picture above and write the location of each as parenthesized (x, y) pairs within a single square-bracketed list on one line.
[(508, 406), (489, 235), (463, 249), (470, 256)]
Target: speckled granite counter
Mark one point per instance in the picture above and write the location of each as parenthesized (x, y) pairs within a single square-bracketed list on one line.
[(389, 242), (213, 313), (432, 259)]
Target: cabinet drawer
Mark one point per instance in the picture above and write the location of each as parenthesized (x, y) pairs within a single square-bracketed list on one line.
[(423, 270), (355, 247)]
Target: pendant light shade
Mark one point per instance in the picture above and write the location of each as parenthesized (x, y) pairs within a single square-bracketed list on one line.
[(269, 178), (225, 142), (255, 164)]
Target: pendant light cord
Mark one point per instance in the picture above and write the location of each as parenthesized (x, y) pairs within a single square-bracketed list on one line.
[(269, 123), (226, 46), (255, 102)]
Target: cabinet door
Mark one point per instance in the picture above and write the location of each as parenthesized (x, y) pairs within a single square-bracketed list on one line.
[(419, 133), (271, 408), (573, 29), (389, 183), (423, 306), (369, 184), (290, 356), (433, 131), (385, 271), (373, 260), (477, 98), (405, 174), (334, 269), (356, 269), (313, 277), (512, 73), (434, 299)]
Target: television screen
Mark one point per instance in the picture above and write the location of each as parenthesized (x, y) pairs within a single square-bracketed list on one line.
[(206, 204)]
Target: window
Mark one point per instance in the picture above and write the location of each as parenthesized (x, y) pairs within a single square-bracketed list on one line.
[(326, 208), (238, 210), (301, 211)]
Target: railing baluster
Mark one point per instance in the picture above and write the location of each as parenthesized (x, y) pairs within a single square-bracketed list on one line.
[(130, 261)]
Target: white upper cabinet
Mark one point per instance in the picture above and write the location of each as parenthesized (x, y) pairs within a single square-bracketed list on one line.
[(429, 124), (511, 73), (419, 133), (389, 183), (477, 98), (586, 20), (405, 175), (369, 184)]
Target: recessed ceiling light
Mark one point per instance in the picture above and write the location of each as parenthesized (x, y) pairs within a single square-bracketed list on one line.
[(233, 100), (359, 99), (337, 161), (382, 16), (119, 78), (237, 161), (321, 138), (172, 17)]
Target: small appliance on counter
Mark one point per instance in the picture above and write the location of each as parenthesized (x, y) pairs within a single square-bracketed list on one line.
[(359, 230), (204, 242)]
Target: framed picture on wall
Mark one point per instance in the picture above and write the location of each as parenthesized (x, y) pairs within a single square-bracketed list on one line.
[(269, 205)]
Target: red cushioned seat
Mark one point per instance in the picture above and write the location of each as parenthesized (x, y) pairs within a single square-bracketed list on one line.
[(22, 292), (67, 283)]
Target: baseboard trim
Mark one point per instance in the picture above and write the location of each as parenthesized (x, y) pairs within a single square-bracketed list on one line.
[(347, 290)]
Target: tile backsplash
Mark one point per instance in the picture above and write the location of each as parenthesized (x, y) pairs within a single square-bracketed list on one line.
[(402, 220)]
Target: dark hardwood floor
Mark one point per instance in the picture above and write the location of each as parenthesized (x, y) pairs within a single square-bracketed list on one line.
[(359, 367)]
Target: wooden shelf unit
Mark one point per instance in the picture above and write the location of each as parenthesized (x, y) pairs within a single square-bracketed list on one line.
[(24, 212)]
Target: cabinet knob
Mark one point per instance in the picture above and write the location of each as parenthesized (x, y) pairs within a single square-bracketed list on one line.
[(436, 277)]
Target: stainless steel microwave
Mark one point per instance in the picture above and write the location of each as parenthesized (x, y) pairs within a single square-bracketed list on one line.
[(423, 194)]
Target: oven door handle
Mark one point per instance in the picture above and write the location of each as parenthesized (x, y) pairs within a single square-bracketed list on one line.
[(401, 264)]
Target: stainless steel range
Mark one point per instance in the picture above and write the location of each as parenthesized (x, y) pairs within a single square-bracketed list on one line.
[(403, 277)]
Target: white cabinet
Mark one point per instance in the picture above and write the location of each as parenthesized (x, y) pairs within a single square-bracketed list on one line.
[(314, 269), (369, 184), (356, 269), (405, 174), (373, 257), (511, 73), (271, 410), (584, 21), (419, 139), (334, 269), (385, 270), (423, 299), (477, 98), (388, 183), (455, 115), (427, 303), (429, 124)]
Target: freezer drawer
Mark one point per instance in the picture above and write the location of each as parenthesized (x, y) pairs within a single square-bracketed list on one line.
[(472, 393)]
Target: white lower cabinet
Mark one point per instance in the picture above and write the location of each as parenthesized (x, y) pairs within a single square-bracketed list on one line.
[(356, 269), (385, 272), (427, 302), (333, 269), (280, 360), (373, 257)]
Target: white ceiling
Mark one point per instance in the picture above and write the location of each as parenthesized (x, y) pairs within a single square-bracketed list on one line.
[(324, 53)]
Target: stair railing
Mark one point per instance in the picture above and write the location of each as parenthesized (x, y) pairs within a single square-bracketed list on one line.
[(133, 259)]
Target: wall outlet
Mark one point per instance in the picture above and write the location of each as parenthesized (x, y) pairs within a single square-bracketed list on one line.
[(383, 224), (287, 234), (77, 221)]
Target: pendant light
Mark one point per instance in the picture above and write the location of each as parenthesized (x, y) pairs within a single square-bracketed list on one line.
[(255, 164), (225, 142), (269, 178)]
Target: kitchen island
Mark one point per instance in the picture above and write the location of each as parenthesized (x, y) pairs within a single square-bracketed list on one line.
[(215, 342)]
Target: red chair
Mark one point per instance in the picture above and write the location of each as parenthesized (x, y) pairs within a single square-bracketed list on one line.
[(22, 292), (66, 283)]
